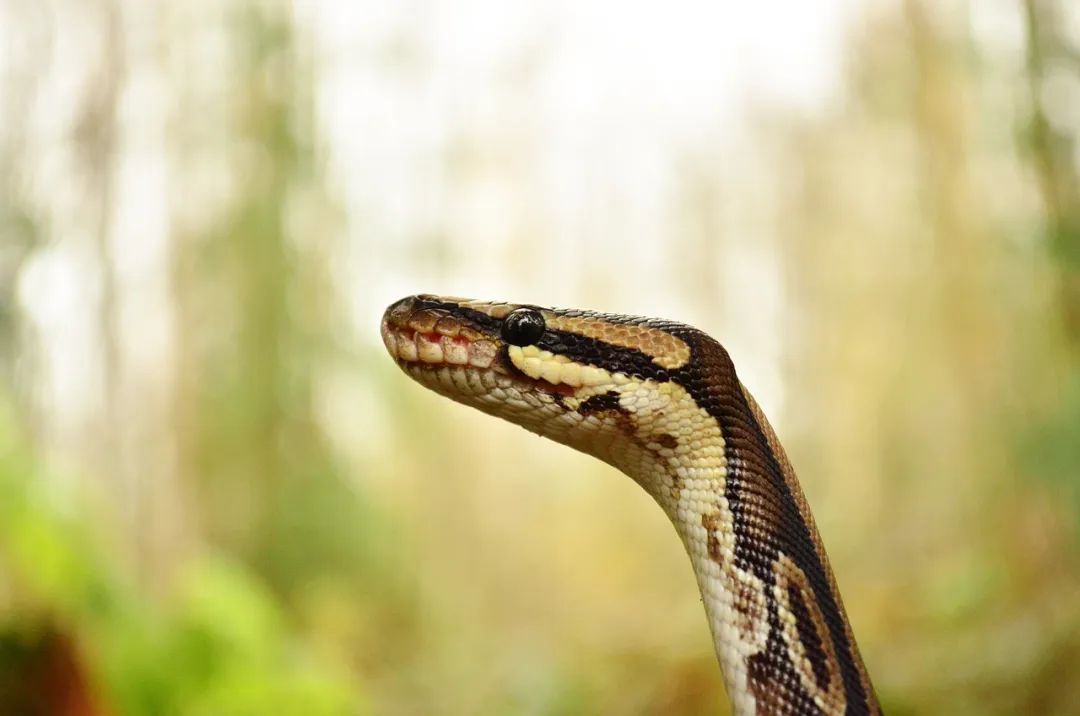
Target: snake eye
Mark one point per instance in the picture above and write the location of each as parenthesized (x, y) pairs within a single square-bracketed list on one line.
[(523, 327)]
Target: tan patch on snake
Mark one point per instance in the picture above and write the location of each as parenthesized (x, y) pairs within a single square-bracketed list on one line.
[(666, 350), (424, 320), (495, 310), (807, 638)]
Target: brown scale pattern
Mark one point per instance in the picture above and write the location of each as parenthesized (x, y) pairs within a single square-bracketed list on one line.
[(665, 349)]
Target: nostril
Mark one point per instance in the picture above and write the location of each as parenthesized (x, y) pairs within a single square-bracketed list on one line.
[(398, 312)]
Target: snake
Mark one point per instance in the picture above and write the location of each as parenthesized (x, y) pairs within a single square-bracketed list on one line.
[(661, 401)]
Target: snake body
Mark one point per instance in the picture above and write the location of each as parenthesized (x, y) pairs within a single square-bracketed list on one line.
[(661, 401)]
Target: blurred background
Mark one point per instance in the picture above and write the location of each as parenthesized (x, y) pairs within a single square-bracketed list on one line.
[(218, 495)]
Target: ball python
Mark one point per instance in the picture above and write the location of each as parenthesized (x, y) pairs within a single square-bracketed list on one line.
[(660, 401)]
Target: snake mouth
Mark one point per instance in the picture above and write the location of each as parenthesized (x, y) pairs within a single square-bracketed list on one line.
[(417, 350), (408, 345), (414, 333), (419, 339)]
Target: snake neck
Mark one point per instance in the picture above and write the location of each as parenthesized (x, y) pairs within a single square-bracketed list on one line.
[(778, 625)]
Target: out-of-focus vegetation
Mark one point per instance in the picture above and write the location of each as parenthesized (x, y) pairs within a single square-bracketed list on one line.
[(217, 497)]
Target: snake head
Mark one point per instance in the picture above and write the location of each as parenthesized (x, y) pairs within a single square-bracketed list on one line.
[(550, 350), (585, 379), (477, 352)]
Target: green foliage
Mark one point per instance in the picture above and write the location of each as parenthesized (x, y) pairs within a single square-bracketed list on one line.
[(221, 643), (224, 649), (1050, 449)]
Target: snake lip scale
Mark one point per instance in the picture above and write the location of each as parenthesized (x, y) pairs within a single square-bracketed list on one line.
[(661, 401), (395, 340)]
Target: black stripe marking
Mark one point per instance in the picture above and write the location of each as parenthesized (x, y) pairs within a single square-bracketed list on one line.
[(595, 352)]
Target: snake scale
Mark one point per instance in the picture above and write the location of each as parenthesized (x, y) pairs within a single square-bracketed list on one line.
[(660, 401)]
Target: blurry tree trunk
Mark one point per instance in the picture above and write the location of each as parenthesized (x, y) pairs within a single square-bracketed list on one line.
[(941, 120), (19, 224), (1053, 153), (95, 135), (960, 251), (232, 289), (250, 293)]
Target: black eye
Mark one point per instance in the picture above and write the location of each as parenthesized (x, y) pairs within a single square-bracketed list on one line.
[(523, 327)]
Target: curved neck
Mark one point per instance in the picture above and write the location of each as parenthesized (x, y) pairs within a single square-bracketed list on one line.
[(779, 628)]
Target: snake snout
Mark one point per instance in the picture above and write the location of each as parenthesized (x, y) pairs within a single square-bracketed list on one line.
[(398, 313), (414, 331)]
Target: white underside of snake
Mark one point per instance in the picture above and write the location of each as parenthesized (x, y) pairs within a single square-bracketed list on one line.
[(661, 401)]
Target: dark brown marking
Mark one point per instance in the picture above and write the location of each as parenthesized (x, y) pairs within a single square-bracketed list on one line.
[(808, 635), (666, 441), (711, 523), (607, 404), (600, 403), (773, 690)]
